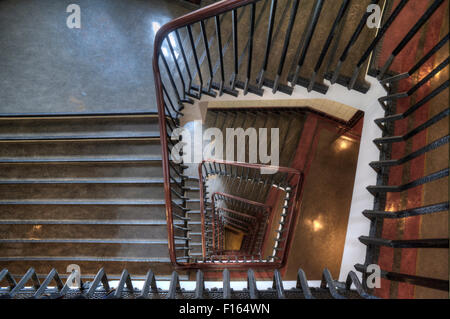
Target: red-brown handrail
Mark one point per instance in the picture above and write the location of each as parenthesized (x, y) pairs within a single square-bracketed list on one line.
[(295, 175), (237, 198), (196, 16)]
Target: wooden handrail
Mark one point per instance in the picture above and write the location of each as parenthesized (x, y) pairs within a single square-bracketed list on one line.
[(297, 178), (236, 213), (240, 199), (196, 16)]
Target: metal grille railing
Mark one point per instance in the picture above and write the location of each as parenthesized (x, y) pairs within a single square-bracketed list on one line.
[(100, 288), (203, 65), (244, 178), (390, 140)]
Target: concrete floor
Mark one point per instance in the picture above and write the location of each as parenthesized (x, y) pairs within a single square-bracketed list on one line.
[(104, 66), (329, 167)]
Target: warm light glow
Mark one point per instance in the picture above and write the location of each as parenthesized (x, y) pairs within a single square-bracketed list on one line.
[(391, 207), (343, 145), (317, 225)]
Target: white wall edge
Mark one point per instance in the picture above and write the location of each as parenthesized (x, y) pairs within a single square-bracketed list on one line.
[(354, 251)]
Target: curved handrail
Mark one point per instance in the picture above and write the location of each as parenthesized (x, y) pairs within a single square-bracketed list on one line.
[(263, 207), (163, 32), (217, 9), (295, 175)]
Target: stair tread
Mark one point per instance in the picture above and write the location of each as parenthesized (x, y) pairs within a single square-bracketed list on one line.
[(95, 136), (64, 115), (82, 202), (88, 241), (85, 222), (84, 181), (85, 258), (70, 159)]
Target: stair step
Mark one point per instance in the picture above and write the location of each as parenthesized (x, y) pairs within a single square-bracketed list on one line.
[(35, 138), (192, 189), (85, 181), (82, 202), (86, 258), (117, 159), (117, 247), (82, 191), (66, 115), (195, 244), (54, 229), (87, 222), (57, 212), (71, 160), (60, 149), (195, 254), (90, 266), (86, 241)]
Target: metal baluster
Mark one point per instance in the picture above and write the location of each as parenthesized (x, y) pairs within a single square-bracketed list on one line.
[(219, 45), (273, 9), (327, 44), (235, 48), (208, 55), (423, 19), (183, 55), (172, 81), (302, 283), (226, 284), (53, 275), (379, 36), (410, 279), (309, 34), (174, 286), (350, 43), (197, 65), (285, 45), (250, 47), (177, 66), (419, 64)]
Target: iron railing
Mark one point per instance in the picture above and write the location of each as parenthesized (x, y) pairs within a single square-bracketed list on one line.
[(245, 178), (418, 76), (100, 288), (196, 88)]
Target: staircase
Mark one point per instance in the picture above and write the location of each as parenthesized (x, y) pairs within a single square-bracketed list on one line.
[(133, 201), (82, 189), (212, 63)]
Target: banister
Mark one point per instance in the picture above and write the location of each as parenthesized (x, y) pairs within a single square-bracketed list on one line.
[(295, 181), (163, 32), (286, 179)]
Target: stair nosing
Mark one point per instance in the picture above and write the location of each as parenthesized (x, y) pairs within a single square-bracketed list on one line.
[(86, 159), (83, 202)]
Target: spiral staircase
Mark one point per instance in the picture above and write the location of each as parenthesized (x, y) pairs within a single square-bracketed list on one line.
[(101, 190)]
